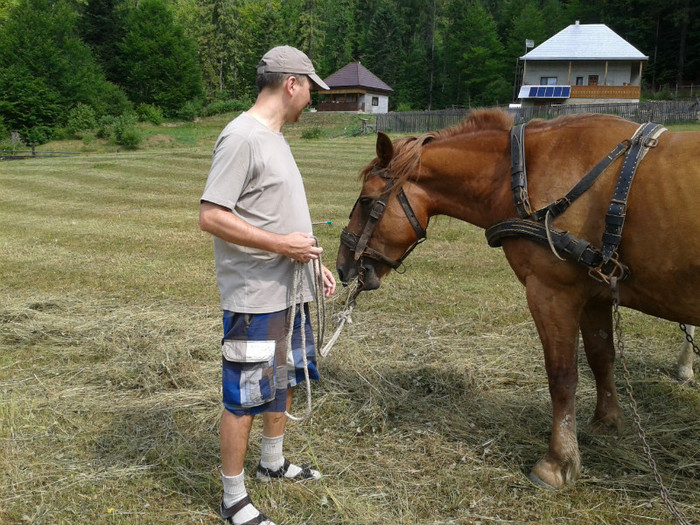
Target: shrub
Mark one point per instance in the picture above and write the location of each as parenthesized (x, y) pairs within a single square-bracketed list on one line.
[(105, 126), (663, 94), (81, 119), (88, 138), (130, 138), (150, 113), (312, 133), (226, 106), (125, 132), (191, 110)]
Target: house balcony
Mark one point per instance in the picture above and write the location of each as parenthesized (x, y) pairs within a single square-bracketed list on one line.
[(606, 92), (332, 105)]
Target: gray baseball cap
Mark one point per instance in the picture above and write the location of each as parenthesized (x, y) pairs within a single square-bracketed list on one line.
[(287, 59)]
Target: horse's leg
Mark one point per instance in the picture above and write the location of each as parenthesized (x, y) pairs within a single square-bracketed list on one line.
[(556, 316), (597, 333), (685, 359)]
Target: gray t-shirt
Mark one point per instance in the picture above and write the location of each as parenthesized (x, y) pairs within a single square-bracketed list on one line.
[(253, 173)]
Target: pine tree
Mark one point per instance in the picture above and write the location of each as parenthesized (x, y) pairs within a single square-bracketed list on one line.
[(156, 63)]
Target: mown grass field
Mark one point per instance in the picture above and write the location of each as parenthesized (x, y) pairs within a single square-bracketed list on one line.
[(433, 404)]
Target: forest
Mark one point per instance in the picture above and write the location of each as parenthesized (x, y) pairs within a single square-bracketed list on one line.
[(68, 65)]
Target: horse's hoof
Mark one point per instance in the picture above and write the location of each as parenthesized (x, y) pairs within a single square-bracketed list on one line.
[(535, 479), (685, 373), (553, 475), (600, 428)]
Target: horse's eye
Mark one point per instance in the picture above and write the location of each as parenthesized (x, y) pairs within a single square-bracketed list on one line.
[(364, 204)]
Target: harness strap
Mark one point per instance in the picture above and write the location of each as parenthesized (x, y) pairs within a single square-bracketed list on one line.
[(374, 215), (518, 173), (560, 206), (644, 138), (411, 215), (351, 240), (569, 246)]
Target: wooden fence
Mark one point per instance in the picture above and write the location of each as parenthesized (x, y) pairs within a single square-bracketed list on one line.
[(28, 154), (672, 112)]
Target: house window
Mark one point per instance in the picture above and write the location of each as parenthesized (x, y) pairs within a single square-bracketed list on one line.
[(548, 81), (579, 81), (592, 80), (375, 101)]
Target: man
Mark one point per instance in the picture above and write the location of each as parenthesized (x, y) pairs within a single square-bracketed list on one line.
[(255, 205)]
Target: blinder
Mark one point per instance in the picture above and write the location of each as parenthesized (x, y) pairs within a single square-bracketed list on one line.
[(359, 245)]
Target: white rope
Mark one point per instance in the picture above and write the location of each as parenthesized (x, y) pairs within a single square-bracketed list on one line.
[(549, 236), (341, 318), (298, 278)]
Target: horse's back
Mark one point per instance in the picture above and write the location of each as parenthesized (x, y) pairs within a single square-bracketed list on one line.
[(661, 235)]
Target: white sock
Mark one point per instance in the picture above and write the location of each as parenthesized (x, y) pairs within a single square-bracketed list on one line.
[(234, 491), (271, 455)]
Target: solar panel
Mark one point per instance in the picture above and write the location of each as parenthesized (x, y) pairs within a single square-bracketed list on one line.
[(545, 92)]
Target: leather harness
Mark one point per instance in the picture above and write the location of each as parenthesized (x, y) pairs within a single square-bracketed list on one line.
[(603, 264), (359, 244)]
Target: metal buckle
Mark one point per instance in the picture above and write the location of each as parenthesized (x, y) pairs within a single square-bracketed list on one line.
[(619, 272)]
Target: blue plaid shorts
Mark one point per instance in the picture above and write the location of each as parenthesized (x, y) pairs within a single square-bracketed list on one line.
[(257, 370)]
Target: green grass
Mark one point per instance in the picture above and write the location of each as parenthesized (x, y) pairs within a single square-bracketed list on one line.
[(432, 407)]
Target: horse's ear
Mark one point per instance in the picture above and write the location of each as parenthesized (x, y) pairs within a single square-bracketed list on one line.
[(385, 151)]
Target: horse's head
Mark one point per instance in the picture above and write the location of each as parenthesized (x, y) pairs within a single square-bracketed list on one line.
[(384, 227)]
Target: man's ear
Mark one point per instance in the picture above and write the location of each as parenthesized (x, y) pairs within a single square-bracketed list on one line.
[(291, 82)]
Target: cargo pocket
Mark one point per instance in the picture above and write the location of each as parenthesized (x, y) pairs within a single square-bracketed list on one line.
[(254, 361)]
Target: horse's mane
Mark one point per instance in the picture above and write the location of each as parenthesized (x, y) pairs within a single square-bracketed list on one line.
[(407, 150)]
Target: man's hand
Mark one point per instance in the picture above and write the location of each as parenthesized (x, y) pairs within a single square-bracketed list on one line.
[(328, 281), (299, 246)]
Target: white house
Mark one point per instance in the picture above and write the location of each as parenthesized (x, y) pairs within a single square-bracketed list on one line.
[(582, 64)]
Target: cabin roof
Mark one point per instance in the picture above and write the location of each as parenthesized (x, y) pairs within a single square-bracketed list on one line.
[(355, 75)]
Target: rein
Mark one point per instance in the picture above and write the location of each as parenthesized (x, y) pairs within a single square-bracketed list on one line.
[(603, 264)]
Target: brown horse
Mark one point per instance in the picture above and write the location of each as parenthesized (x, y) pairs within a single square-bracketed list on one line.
[(464, 172)]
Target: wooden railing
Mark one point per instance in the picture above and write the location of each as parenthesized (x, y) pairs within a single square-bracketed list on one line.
[(338, 106), (610, 92)]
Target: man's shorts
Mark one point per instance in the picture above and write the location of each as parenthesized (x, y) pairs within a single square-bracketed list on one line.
[(257, 370)]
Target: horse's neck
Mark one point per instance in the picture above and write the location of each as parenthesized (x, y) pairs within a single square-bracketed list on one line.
[(470, 183)]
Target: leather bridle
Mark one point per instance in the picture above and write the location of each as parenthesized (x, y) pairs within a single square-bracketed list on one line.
[(359, 245)]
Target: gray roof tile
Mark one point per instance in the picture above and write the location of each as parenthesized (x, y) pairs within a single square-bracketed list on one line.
[(585, 42)]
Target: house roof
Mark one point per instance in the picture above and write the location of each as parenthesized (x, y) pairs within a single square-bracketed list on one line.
[(585, 42), (355, 75)]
